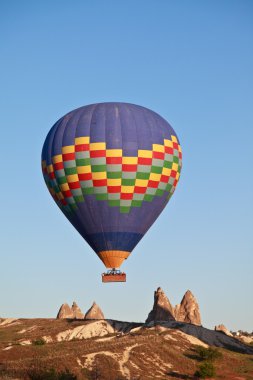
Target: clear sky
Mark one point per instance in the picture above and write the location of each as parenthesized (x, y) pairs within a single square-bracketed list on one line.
[(191, 62)]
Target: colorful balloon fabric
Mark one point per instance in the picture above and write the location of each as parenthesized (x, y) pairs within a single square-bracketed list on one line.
[(112, 168)]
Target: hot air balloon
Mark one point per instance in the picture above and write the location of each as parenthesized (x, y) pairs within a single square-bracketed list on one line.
[(111, 168)]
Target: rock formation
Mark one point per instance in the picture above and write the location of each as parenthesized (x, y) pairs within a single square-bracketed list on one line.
[(223, 329), (65, 312), (77, 312), (188, 310), (162, 309), (72, 313), (246, 339), (94, 312)]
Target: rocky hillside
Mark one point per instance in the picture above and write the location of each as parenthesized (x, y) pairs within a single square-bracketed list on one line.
[(114, 350), (78, 346)]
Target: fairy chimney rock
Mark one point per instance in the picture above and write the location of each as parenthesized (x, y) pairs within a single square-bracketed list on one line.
[(94, 312), (162, 309), (188, 310), (65, 312), (77, 312), (223, 329)]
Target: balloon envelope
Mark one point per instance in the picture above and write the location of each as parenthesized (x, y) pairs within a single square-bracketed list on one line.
[(111, 168)]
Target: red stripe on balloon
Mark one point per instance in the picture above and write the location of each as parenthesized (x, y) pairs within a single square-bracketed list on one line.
[(126, 196), (99, 182), (97, 153), (139, 190), (68, 156), (153, 184), (129, 168), (114, 160), (159, 155), (84, 176), (67, 194), (58, 166), (144, 161), (168, 150), (164, 178), (52, 175), (74, 185), (82, 147), (114, 189)]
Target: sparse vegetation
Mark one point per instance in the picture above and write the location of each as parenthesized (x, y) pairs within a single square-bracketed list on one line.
[(38, 342), (206, 369), (210, 354), (156, 353)]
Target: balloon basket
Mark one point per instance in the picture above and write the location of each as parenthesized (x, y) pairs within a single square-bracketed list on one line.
[(114, 276)]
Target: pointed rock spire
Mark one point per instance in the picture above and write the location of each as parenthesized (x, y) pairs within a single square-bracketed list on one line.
[(77, 312), (188, 310), (65, 312), (162, 309), (94, 312)]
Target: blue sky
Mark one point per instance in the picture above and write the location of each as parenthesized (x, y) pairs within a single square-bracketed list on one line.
[(191, 62)]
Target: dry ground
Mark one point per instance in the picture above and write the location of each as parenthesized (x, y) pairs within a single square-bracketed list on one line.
[(111, 350)]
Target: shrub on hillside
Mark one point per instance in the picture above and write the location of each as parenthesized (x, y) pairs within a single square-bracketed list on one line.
[(206, 369), (38, 342), (210, 354)]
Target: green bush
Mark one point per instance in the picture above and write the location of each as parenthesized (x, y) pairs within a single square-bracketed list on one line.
[(39, 342), (206, 369), (210, 354)]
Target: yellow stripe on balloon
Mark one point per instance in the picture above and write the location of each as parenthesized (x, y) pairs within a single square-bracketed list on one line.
[(166, 171), (57, 159), (155, 177), (141, 182), (82, 140), (168, 143), (129, 160), (175, 166), (50, 168), (99, 175), (64, 187), (145, 153), (72, 178), (127, 189), (114, 182), (98, 146), (83, 169), (114, 153), (68, 149), (158, 148)]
